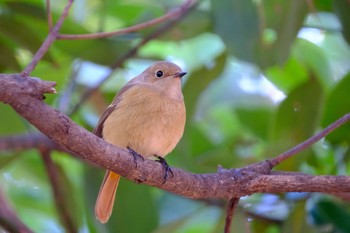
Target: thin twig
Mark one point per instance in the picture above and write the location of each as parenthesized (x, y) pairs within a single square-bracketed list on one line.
[(49, 14), (9, 220), (307, 143), (65, 98), (57, 189), (232, 205), (129, 54), (28, 141), (51, 37), (171, 15)]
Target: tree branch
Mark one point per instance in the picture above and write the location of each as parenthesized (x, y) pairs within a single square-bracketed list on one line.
[(27, 141), (25, 96), (49, 14), (48, 41), (57, 190), (9, 220), (302, 146), (171, 15), (231, 207)]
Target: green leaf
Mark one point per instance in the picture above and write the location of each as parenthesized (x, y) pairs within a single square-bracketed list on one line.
[(256, 120), (337, 105), (100, 51), (7, 158), (323, 5), (14, 123), (198, 82), (326, 212), (103, 51), (288, 76), (177, 212), (23, 35), (34, 9), (283, 20), (139, 208), (128, 13), (70, 197), (296, 120), (8, 59), (134, 210), (341, 9), (237, 24), (198, 141), (93, 177), (193, 25), (297, 220), (315, 60)]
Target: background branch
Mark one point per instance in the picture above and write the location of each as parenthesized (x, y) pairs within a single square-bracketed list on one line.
[(57, 189), (306, 144), (49, 14), (9, 220), (27, 141), (231, 207), (171, 15), (48, 41)]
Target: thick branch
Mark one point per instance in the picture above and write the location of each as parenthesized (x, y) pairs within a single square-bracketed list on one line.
[(223, 184)]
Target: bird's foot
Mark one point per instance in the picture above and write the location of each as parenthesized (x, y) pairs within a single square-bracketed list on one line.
[(135, 155), (165, 166)]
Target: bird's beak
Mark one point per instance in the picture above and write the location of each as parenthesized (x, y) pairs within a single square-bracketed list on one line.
[(180, 74)]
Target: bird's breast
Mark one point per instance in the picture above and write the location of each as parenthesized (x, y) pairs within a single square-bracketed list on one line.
[(149, 122)]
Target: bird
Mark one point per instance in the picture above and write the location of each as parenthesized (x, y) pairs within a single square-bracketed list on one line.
[(147, 117)]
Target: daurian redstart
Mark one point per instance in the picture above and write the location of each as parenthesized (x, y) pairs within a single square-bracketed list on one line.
[(147, 117)]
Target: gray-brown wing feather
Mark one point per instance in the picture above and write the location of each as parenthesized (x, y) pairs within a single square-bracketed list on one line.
[(99, 128)]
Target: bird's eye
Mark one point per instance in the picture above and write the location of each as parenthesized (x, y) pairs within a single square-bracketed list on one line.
[(159, 73)]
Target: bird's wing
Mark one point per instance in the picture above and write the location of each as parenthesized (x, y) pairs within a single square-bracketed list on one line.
[(98, 130)]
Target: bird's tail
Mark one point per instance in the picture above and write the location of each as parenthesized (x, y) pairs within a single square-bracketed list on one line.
[(105, 198)]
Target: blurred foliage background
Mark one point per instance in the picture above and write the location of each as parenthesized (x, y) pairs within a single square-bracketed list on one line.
[(263, 76)]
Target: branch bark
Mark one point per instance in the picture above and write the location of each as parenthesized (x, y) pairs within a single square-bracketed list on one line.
[(25, 97)]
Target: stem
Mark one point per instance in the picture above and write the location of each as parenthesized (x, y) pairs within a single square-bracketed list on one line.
[(169, 16), (57, 189), (9, 220), (51, 37), (232, 205), (49, 14), (307, 143)]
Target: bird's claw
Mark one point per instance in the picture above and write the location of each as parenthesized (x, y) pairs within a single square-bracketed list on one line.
[(167, 168), (135, 155)]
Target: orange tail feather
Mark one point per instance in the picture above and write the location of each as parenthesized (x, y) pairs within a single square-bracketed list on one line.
[(106, 196)]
